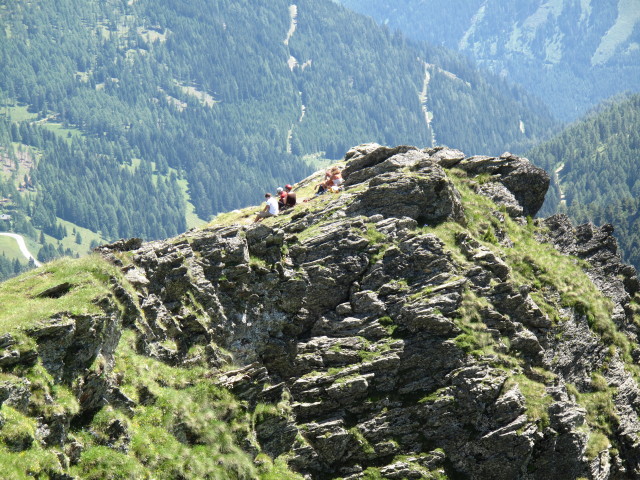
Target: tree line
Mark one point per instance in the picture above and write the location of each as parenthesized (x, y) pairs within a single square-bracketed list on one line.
[(598, 178), (129, 79)]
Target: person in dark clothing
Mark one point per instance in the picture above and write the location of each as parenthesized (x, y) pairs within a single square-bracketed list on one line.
[(282, 198), (291, 198)]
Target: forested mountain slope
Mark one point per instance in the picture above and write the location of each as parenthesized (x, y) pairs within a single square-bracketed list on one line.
[(120, 106), (596, 171), (571, 54)]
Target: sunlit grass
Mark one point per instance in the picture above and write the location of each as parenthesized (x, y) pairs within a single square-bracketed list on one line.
[(532, 263), (66, 133), (18, 113), (536, 398), (305, 190), (21, 308)]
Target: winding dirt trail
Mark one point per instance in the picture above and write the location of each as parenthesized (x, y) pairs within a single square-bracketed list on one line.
[(23, 246)]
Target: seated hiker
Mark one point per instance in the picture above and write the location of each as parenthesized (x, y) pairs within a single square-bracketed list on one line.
[(291, 198), (282, 198), (335, 178), (332, 182), (270, 208)]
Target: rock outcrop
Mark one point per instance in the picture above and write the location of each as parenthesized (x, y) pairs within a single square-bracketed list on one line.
[(417, 325)]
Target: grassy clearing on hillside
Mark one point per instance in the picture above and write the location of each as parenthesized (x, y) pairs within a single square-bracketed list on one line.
[(87, 236), (21, 113), (192, 219), (18, 113), (20, 307), (9, 248), (61, 131)]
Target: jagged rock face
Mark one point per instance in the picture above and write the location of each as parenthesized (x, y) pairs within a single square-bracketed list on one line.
[(522, 180), (399, 349), (405, 181), (366, 336)]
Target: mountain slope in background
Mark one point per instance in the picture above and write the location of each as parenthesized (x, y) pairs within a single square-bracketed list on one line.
[(596, 171), (572, 54), (118, 114)]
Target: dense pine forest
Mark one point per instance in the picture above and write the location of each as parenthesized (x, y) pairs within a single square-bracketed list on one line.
[(595, 171), (118, 113)]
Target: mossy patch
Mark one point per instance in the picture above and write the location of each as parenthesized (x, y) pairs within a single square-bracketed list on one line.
[(89, 277), (17, 431), (362, 442), (29, 464), (537, 400), (185, 426)]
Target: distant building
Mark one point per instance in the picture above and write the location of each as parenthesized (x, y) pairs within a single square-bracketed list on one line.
[(4, 216)]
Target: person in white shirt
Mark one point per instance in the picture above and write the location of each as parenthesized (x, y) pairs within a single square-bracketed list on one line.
[(270, 209)]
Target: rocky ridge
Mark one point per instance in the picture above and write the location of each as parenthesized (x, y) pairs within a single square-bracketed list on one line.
[(417, 325)]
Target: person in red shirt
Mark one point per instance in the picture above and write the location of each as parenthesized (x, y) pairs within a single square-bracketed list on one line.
[(282, 198), (291, 198)]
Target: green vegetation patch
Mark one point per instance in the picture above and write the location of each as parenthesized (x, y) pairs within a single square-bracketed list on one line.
[(17, 431), (29, 464), (532, 263), (185, 426), (441, 393), (597, 443), (103, 463), (49, 399), (602, 419), (9, 248), (88, 278), (66, 133), (536, 397), (20, 113), (475, 339), (364, 444)]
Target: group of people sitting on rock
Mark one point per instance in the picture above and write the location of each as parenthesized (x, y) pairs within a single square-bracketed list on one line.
[(332, 181), (286, 198)]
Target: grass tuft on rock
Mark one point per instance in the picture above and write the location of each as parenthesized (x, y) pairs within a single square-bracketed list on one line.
[(89, 277)]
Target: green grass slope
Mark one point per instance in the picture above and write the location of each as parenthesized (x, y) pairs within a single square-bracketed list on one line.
[(186, 399)]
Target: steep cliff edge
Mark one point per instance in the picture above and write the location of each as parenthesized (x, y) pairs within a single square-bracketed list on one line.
[(417, 325)]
